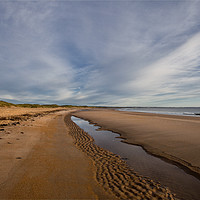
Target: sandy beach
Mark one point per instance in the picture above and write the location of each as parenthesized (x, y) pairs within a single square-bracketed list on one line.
[(47, 156), (39, 160), (176, 138)]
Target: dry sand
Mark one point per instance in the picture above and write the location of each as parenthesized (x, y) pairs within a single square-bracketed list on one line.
[(15, 111), (47, 156), (176, 138), (40, 161), (13, 115)]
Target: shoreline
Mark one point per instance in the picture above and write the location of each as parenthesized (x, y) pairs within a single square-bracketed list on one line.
[(166, 159), (186, 166), (185, 113)]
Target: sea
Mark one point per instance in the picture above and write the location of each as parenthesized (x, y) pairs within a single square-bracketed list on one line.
[(184, 111)]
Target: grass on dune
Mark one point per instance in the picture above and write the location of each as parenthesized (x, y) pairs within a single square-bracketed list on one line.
[(6, 104)]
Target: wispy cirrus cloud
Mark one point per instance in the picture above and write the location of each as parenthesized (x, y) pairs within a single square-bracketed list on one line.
[(100, 53)]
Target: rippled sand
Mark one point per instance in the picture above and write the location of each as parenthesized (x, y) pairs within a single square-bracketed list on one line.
[(113, 173)]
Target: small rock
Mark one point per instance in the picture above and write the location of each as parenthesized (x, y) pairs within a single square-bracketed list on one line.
[(18, 157), (9, 143), (15, 123), (1, 125), (2, 129), (150, 192), (22, 132)]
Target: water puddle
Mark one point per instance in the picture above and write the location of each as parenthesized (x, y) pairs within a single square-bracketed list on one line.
[(184, 185)]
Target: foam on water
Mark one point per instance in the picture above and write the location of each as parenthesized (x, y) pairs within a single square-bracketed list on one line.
[(184, 111)]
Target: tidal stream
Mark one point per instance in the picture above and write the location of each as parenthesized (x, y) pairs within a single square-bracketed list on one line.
[(184, 185)]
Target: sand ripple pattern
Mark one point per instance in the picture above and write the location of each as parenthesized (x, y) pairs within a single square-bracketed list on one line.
[(112, 172)]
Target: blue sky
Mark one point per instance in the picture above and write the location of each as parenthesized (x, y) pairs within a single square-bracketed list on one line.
[(114, 53)]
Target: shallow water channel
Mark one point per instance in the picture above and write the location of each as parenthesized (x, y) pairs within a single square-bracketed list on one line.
[(184, 185)]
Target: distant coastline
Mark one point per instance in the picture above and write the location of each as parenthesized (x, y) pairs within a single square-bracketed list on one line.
[(180, 111)]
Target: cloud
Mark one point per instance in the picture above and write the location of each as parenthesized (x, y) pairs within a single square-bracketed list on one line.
[(174, 76), (122, 53)]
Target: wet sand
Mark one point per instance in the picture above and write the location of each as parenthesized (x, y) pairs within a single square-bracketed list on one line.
[(143, 163), (112, 173), (176, 138)]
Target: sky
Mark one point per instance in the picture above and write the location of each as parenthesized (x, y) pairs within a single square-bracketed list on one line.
[(105, 53)]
